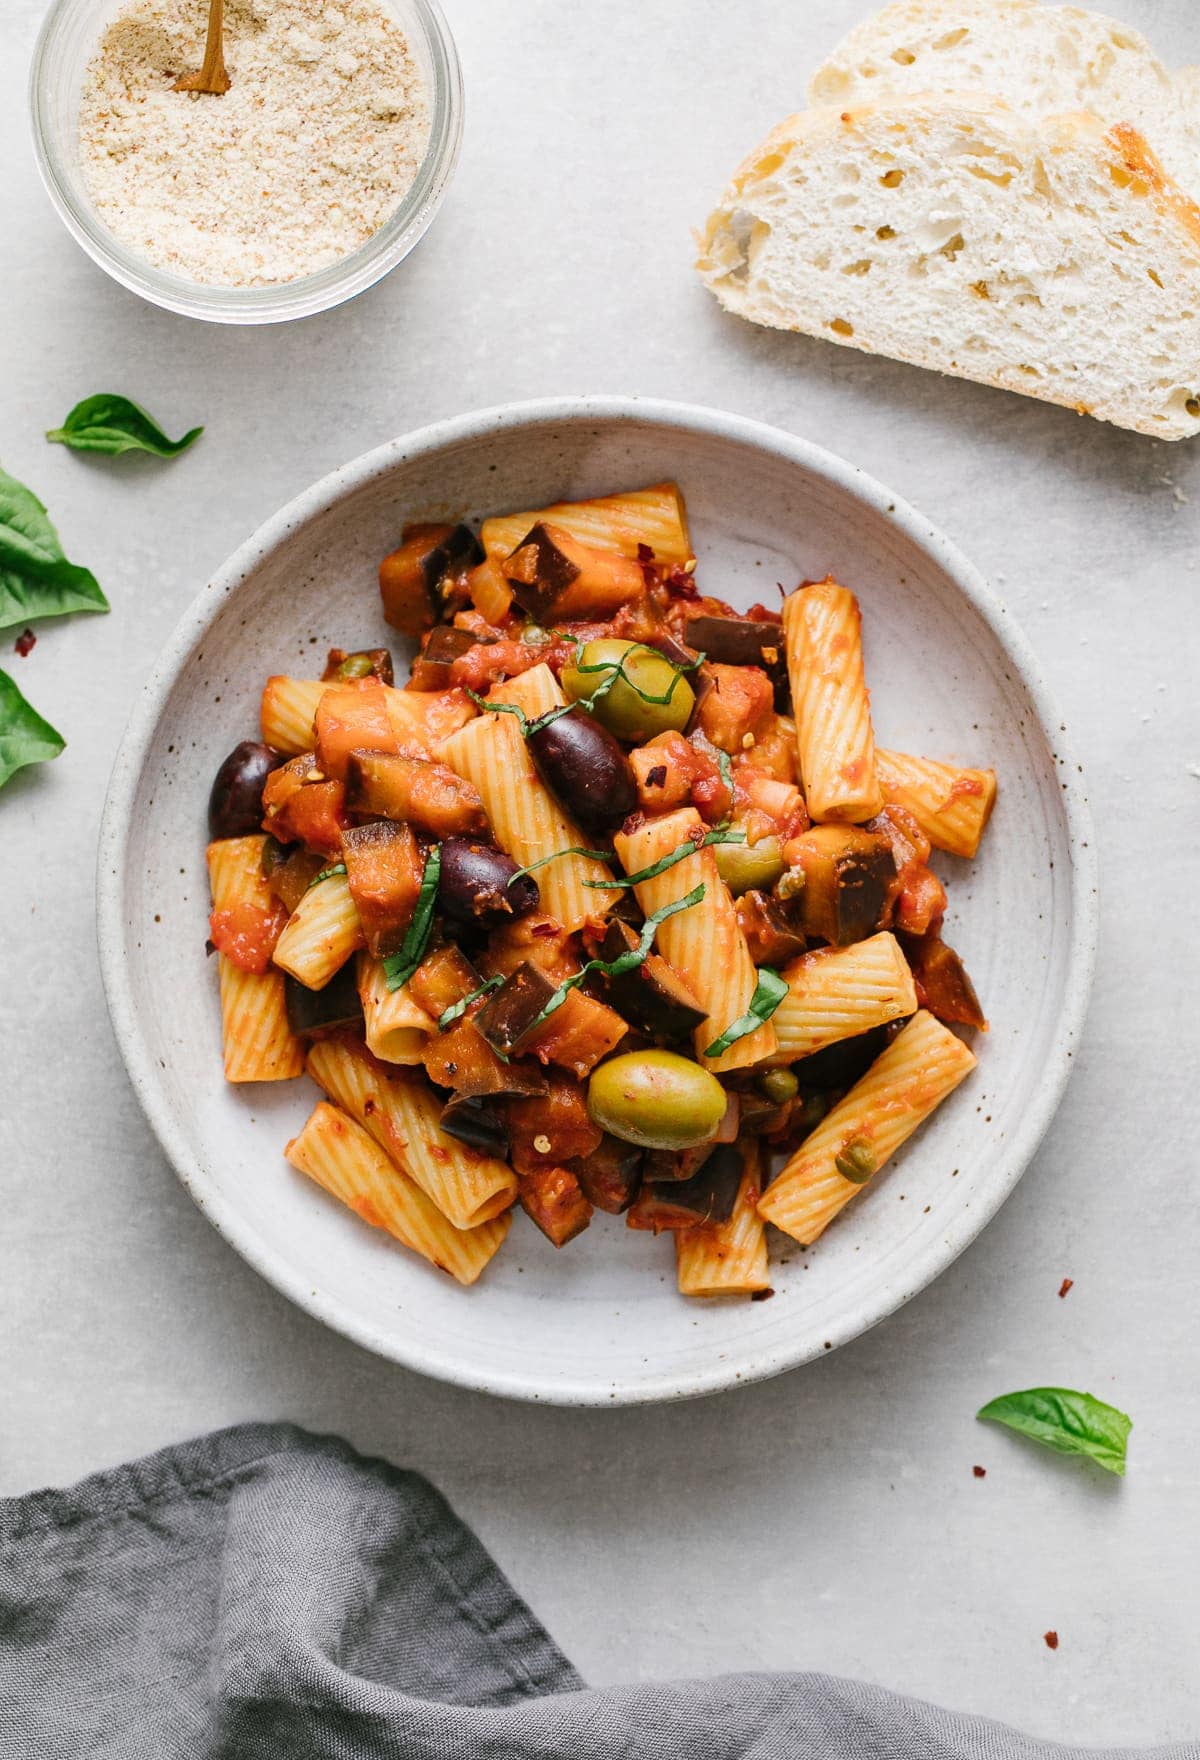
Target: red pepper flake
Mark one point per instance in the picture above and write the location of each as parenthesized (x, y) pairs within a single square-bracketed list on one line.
[(645, 553), (544, 931), (979, 1472), (1051, 1640), (656, 777), (24, 643), (680, 585), (1067, 1284)]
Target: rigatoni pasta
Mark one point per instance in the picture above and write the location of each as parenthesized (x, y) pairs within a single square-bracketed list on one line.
[(823, 636), (923, 1064), (951, 806), (339, 1154), (610, 907)]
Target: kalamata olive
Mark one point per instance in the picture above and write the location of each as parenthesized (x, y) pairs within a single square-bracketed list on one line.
[(656, 1099), (747, 867), (582, 764), (476, 886), (235, 806), (651, 697)]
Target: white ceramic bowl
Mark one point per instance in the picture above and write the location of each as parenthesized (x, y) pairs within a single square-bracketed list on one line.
[(600, 1322)]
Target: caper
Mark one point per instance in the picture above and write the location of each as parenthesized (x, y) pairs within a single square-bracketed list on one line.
[(746, 867), (649, 696), (779, 1086), (656, 1099), (356, 666), (856, 1162)]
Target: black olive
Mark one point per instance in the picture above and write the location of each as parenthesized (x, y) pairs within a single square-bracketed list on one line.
[(235, 804), (476, 885), (582, 764)]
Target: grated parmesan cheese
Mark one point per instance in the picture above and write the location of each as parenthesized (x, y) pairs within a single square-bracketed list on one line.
[(312, 148)]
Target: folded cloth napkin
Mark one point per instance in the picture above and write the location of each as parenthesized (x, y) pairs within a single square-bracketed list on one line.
[(266, 1593)]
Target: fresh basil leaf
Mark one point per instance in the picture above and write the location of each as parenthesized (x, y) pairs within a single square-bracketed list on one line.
[(597, 855), (449, 1015), (769, 992), (725, 766), (112, 424), (681, 852), (624, 962), (24, 737), (36, 580), (399, 967), (501, 709), (326, 874), (1071, 1422)]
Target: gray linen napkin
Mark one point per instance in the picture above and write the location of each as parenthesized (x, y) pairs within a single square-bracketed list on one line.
[(265, 1593)]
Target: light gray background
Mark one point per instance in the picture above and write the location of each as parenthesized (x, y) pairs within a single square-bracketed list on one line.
[(829, 1519)]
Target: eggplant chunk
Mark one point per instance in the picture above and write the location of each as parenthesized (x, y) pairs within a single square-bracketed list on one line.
[(431, 668), (743, 641), (651, 997), (470, 1119), (410, 578), (384, 869), (770, 929), (841, 1064), (312, 1013), (507, 1019), (611, 1175), (415, 790), (553, 576), (849, 875), (707, 1197), (942, 981), (553, 1198)]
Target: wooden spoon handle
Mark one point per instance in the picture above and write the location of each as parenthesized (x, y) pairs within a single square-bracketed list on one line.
[(212, 76)]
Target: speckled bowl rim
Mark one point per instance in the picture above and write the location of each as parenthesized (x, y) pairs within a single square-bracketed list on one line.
[(509, 420)]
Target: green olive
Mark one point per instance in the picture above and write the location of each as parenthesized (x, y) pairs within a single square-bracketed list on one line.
[(747, 866), (656, 1099), (648, 697), (779, 1086)]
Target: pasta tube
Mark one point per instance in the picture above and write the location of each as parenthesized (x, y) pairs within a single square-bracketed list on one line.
[(527, 820), (836, 745), (397, 1029), (840, 991), (259, 1045), (923, 1064), (340, 1156), (951, 806), (727, 1258), (321, 934), (418, 718), (655, 518), (400, 1110), (705, 944)]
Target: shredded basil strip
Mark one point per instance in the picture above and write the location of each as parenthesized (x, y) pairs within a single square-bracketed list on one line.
[(1065, 1420), (449, 1015), (769, 992), (326, 874), (399, 967), (501, 709), (624, 962), (722, 834), (725, 766), (616, 670), (597, 855)]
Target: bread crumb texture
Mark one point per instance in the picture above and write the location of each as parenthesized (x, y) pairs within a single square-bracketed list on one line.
[(1050, 256), (310, 151)]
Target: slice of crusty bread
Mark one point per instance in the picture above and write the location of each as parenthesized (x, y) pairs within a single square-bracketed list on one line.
[(1052, 258), (1043, 60)]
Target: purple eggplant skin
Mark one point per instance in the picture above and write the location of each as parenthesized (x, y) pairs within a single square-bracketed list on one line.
[(584, 767), (235, 805), (313, 1013), (476, 888), (708, 1196)]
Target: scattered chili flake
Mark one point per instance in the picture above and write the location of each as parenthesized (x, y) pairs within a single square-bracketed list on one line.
[(1067, 1284), (979, 1472), (645, 553), (1051, 1640), (24, 643), (680, 585), (544, 931), (656, 776)]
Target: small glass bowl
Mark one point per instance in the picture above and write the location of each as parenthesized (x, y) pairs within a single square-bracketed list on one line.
[(65, 46)]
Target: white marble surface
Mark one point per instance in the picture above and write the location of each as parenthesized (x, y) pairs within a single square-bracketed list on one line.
[(829, 1519)]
